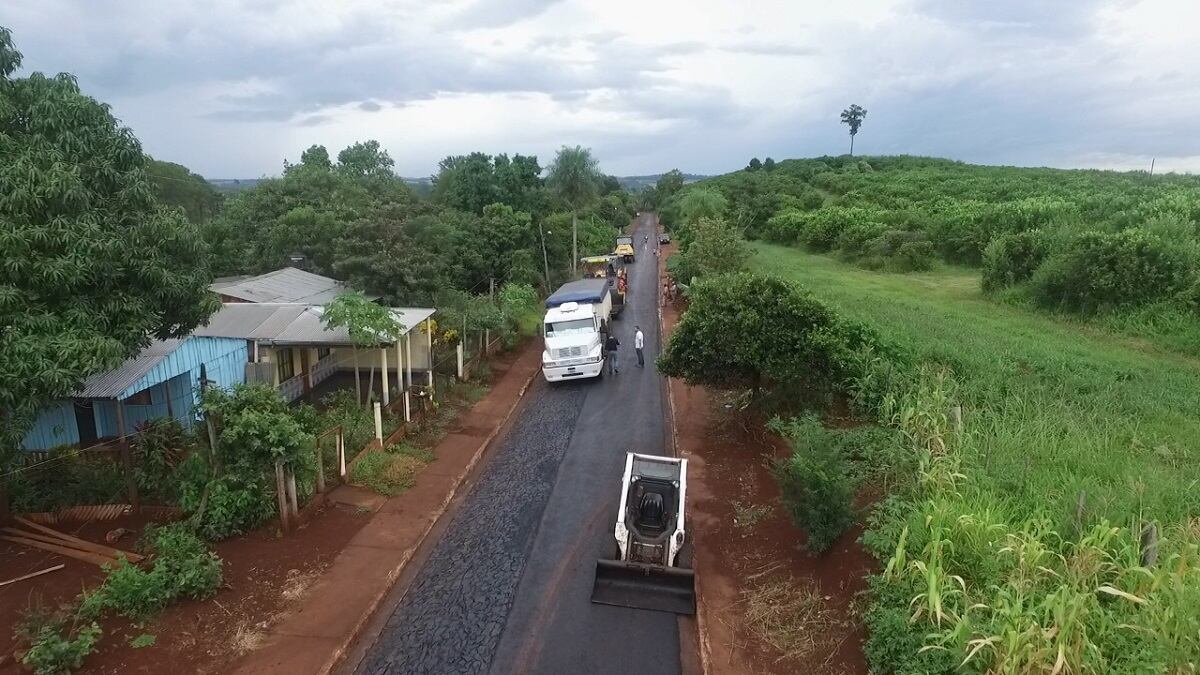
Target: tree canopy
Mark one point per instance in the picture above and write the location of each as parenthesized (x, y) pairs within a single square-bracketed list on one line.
[(175, 185), (92, 267)]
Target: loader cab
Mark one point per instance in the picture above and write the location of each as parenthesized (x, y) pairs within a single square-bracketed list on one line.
[(652, 509)]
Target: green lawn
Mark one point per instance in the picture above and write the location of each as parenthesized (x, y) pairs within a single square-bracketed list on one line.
[(1053, 407)]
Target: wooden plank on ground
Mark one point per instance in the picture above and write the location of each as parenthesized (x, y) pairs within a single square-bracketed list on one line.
[(57, 541), (77, 542), (86, 556), (33, 574)]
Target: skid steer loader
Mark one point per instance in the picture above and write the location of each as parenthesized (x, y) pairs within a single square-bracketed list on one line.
[(649, 533)]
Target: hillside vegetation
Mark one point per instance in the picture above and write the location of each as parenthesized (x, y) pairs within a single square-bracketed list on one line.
[(1123, 247), (1041, 510)]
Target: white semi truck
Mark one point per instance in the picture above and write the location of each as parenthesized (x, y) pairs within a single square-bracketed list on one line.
[(575, 326)]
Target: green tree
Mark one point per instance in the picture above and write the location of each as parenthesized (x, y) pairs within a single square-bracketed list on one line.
[(365, 160), (668, 185), (403, 253), (573, 176), (768, 164), (702, 203), (369, 324), (609, 185), (92, 268), (754, 165), (175, 185), (713, 247), (853, 118), (756, 332)]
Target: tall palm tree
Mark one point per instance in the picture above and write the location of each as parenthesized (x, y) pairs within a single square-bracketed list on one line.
[(574, 176), (853, 116)]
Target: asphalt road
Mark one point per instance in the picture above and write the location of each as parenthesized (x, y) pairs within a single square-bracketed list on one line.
[(506, 589)]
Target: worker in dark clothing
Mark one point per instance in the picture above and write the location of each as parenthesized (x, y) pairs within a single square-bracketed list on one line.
[(611, 346)]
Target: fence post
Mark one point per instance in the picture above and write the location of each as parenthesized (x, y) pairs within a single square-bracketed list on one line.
[(407, 410), (341, 453), (293, 502), (1149, 545), (956, 418), (126, 459), (378, 422), (320, 470), (285, 519), (459, 349)]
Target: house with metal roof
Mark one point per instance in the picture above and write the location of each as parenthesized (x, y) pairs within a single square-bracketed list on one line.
[(290, 347), (162, 380), (283, 285), (285, 345)]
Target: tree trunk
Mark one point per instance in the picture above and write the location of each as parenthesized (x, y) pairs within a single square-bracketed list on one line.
[(574, 243), (357, 378), (851, 145), (545, 258), (371, 386)]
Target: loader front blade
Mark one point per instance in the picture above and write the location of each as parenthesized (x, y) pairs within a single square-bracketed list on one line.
[(663, 589)]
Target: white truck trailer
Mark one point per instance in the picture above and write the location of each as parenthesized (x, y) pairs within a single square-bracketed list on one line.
[(575, 326)]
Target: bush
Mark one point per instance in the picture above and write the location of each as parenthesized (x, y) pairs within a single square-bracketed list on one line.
[(1012, 259), (390, 471), (160, 447), (815, 481), (762, 333), (784, 227), (819, 230), (182, 568), (230, 505), (717, 248), (1102, 271), (55, 648), (855, 240)]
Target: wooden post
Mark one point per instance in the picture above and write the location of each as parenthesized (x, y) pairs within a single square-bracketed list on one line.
[(487, 333), (399, 365), (429, 336), (378, 422), (293, 502), (1149, 545), (1080, 505), (956, 418), (126, 459), (285, 520), (387, 394), (408, 355), (407, 413), (341, 453), (459, 350), (320, 470)]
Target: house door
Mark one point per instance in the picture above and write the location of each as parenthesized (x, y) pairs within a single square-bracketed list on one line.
[(85, 420)]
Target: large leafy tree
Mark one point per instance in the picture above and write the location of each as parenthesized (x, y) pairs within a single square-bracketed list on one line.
[(471, 182), (92, 268), (756, 332), (369, 324), (712, 247), (175, 185), (574, 177), (853, 118)]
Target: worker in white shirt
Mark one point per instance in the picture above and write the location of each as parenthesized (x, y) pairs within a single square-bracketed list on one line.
[(639, 341)]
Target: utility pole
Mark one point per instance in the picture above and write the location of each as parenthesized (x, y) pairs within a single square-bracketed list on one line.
[(545, 260), (1151, 166)]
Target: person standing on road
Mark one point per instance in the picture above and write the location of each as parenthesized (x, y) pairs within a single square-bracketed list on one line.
[(639, 341), (610, 346)]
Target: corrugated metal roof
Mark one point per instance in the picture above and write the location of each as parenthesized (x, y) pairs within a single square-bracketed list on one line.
[(288, 323), (113, 383), (284, 285)]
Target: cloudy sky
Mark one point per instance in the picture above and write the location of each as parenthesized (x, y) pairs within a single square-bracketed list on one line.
[(231, 88)]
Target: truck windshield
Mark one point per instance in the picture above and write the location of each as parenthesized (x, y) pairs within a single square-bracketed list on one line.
[(624, 240), (572, 327)]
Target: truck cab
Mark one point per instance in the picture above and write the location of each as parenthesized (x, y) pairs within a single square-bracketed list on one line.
[(574, 328), (624, 249), (574, 342)]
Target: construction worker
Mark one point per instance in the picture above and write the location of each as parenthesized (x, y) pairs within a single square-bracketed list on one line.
[(610, 346), (639, 342)]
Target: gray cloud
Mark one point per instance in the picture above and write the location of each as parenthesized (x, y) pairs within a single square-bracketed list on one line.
[(497, 13)]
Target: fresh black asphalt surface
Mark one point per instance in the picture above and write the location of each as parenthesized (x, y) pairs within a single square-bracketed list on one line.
[(507, 588)]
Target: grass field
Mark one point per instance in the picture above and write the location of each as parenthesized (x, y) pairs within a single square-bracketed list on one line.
[(1053, 407)]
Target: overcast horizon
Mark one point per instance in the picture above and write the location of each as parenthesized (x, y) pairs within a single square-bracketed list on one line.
[(232, 89)]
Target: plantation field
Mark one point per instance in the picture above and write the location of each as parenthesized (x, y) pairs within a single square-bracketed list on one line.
[(1053, 408)]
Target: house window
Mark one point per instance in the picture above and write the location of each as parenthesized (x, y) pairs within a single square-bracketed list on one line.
[(140, 398), (286, 368), (322, 352)]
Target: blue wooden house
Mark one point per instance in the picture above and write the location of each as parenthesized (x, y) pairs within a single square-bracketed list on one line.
[(163, 380)]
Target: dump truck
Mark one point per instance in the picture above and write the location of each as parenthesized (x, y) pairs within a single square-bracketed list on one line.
[(624, 248), (646, 571), (575, 324), (606, 267)]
